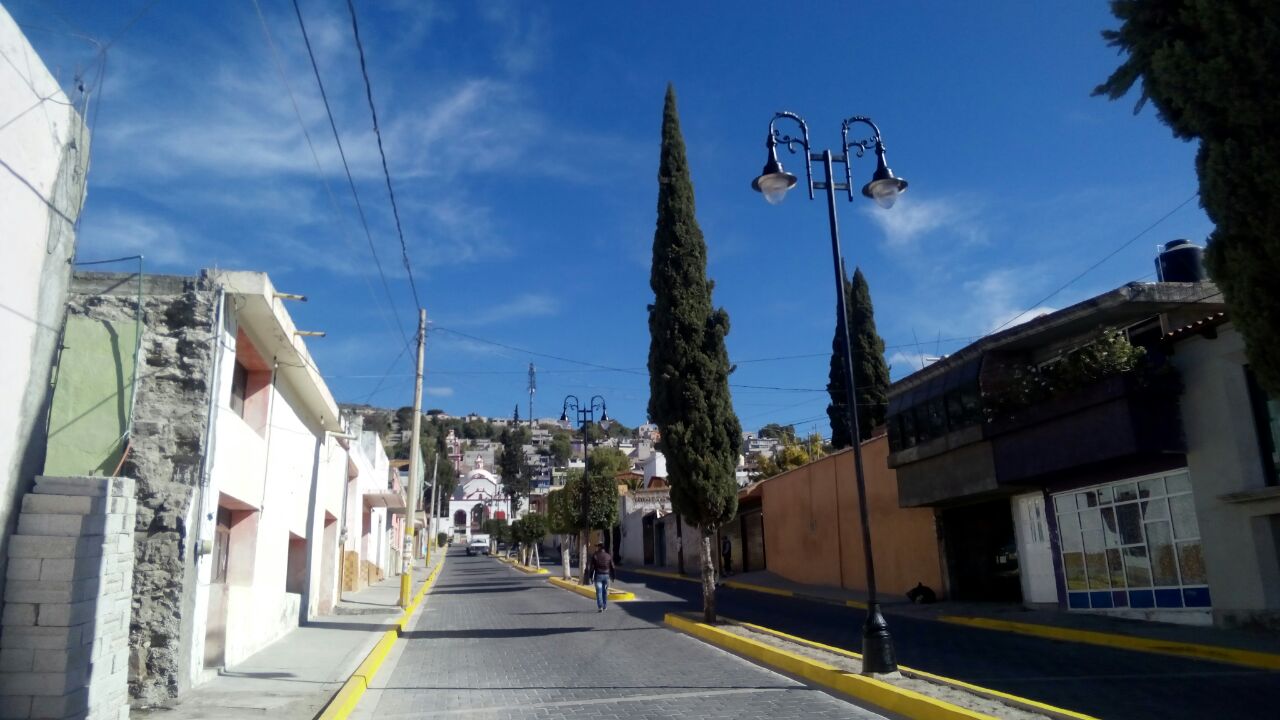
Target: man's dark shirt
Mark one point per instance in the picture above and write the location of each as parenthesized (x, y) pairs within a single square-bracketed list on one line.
[(602, 562)]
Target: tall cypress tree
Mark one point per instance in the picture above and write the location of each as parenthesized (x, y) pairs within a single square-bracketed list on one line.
[(870, 373), (1212, 70), (688, 365)]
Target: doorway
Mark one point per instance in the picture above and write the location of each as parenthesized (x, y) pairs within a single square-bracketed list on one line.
[(1035, 555), (982, 553)]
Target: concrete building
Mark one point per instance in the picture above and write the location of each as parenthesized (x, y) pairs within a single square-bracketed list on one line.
[(45, 148), (1232, 430), (246, 477), (1147, 492)]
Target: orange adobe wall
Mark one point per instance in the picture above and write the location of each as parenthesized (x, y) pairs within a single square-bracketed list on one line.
[(813, 534)]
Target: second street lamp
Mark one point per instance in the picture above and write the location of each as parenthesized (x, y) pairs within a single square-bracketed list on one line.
[(586, 417), (884, 188)]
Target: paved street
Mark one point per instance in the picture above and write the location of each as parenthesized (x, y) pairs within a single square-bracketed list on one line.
[(494, 643), (1100, 681)]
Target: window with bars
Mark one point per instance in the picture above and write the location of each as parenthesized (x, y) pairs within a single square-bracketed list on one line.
[(1132, 544)]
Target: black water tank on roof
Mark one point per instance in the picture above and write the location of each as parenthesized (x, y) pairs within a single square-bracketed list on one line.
[(1180, 261)]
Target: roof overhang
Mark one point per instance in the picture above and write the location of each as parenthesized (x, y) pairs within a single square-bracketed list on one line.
[(384, 499), (1122, 306), (266, 321)]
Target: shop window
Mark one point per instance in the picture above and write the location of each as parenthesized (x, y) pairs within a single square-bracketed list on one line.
[(1266, 418), (1132, 544)]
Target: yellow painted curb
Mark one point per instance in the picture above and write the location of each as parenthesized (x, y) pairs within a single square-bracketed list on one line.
[(530, 569), (1233, 656), (661, 574), (348, 696), (897, 700), (737, 585), (758, 588), (1025, 703), (589, 591)]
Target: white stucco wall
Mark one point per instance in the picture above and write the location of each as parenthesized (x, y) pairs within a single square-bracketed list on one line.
[(271, 473), (45, 148), (1241, 547)]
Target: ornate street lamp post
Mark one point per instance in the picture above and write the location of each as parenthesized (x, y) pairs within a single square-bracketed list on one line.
[(586, 416), (884, 188)]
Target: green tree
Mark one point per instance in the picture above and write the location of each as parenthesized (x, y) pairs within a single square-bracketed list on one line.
[(688, 365), (600, 485), (529, 531), (499, 531), (1212, 70), (870, 373), (789, 456), (511, 466), (404, 418), (564, 516), (783, 433), (561, 447)]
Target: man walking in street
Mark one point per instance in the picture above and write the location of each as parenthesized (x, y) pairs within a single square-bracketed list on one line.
[(603, 570)]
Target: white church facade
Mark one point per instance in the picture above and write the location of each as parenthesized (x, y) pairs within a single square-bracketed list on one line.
[(479, 496)]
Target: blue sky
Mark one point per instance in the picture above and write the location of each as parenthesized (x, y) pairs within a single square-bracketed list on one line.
[(523, 140)]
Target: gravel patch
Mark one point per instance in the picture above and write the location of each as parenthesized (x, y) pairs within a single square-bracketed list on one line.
[(938, 691)]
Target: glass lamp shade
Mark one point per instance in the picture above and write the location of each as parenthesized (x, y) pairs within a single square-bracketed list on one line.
[(774, 186), (885, 192)]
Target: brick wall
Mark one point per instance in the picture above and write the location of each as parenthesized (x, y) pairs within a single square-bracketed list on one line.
[(64, 650)]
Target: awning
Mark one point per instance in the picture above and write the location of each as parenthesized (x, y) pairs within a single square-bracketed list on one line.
[(384, 499)]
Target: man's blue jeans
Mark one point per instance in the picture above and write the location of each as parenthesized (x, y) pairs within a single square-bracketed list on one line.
[(602, 590)]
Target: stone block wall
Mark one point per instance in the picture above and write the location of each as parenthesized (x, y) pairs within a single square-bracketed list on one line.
[(168, 446), (64, 649)]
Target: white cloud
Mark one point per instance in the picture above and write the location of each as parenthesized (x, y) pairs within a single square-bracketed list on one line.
[(904, 363), (116, 233), (914, 218), (998, 299), (438, 391), (528, 305)]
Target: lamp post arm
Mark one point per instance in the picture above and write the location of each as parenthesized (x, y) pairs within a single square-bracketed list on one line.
[(776, 137), (860, 146)]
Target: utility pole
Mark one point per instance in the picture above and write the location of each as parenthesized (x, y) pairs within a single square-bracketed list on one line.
[(415, 448), (431, 516)]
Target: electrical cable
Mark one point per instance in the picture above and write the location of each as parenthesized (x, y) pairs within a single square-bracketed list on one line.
[(386, 375), (1094, 266), (333, 125), (368, 90), (333, 199)]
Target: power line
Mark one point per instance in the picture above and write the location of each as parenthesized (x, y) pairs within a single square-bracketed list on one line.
[(1094, 266), (306, 134), (368, 90), (386, 375), (527, 351), (333, 125)]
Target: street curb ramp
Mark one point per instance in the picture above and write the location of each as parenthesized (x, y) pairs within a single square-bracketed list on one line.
[(348, 696), (899, 701)]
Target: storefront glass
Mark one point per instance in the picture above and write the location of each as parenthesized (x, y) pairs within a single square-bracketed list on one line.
[(1132, 544)]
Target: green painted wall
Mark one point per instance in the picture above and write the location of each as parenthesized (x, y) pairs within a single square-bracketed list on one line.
[(91, 397)]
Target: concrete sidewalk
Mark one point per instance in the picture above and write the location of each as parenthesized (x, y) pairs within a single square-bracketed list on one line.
[(1014, 617), (296, 676)]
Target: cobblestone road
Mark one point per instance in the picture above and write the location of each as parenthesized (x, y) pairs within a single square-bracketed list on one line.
[(496, 644)]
